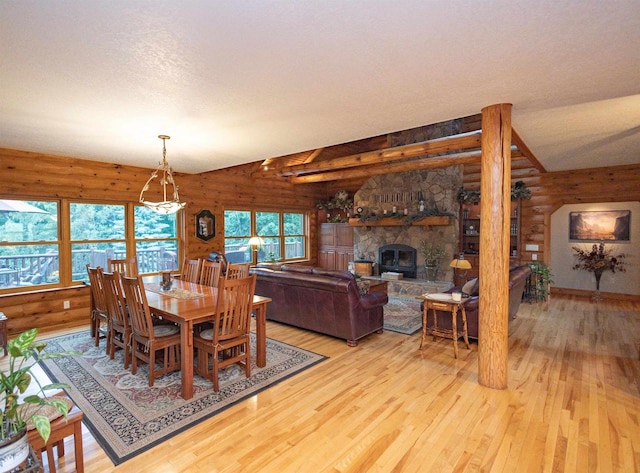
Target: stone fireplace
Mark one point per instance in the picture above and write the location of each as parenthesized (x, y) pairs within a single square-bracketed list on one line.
[(399, 259), (437, 189)]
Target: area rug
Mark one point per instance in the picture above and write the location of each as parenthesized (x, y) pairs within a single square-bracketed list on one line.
[(402, 315), (127, 417)]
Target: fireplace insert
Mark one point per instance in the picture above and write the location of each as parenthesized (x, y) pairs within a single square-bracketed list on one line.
[(399, 259)]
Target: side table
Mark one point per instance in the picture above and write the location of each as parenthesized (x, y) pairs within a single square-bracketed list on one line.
[(444, 302)]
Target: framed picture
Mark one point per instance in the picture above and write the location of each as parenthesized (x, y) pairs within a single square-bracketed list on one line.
[(205, 225), (605, 225)]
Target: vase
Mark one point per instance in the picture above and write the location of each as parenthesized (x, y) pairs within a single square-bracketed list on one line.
[(596, 296), (14, 450), (432, 272)]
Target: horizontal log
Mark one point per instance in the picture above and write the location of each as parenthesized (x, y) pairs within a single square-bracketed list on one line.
[(384, 168), (439, 145)]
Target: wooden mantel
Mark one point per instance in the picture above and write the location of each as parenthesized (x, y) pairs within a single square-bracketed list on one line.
[(401, 222)]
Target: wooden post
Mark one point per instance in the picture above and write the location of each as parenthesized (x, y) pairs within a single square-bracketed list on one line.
[(495, 208)]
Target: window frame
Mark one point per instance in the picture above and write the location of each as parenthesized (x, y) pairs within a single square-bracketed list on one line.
[(65, 243), (282, 236)]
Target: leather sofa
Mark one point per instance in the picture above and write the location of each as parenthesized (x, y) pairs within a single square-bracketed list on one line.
[(517, 281), (321, 300)]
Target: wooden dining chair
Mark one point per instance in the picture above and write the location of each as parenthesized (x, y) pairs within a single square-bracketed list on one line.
[(237, 270), (99, 313), (148, 339), (191, 270), (126, 267), (120, 327), (210, 273), (230, 332)]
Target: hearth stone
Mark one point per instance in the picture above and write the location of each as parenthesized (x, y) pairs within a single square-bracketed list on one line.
[(413, 287)]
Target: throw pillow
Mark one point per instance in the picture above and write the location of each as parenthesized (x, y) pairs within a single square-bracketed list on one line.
[(471, 287)]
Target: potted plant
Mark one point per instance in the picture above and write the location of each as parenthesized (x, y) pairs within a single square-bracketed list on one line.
[(597, 261), (432, 253), (17, 412)]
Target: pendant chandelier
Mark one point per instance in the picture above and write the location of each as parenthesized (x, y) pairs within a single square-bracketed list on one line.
[(166, 206)]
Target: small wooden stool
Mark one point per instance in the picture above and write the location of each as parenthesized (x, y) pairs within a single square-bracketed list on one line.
[(61, 428)]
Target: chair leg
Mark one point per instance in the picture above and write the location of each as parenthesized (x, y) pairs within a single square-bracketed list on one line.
[(152, 364)]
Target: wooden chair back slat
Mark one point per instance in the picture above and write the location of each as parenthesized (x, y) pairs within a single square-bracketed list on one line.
[(97, 290), (191, 270), (126, 267), (114, 295), (210, 273), (139, 312), (237, 270), (233, 313)]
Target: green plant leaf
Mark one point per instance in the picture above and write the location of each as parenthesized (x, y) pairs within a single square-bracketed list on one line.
[(42, 425)]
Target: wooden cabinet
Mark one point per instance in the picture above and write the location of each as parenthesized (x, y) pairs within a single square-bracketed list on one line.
[(335, 246), (470, 234)]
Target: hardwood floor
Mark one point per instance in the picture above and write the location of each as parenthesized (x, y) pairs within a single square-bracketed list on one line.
[(573, 405)]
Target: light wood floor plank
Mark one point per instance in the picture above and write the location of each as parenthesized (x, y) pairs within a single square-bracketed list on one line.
[(573, 405)]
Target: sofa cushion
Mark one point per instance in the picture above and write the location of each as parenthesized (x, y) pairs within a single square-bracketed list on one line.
[(471, 287), (297, 268)]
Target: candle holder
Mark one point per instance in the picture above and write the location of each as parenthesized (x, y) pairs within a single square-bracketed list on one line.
[(167, 281)]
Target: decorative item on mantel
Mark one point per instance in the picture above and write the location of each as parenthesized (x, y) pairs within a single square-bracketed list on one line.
[(432, 253), (597, 261), (342, 202)]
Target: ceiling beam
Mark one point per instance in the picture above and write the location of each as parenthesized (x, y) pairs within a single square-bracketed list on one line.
[(398, 153), (517, 140), (469, 157)]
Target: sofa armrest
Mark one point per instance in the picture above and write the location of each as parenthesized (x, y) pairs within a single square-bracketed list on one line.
[(374, 299)]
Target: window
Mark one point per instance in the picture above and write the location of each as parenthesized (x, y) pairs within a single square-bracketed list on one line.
[(156, 240), (284, 235), (97, 235), (29, 243), (34, 251)]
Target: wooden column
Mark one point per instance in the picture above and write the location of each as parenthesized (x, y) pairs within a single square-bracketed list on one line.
[(495, 208)]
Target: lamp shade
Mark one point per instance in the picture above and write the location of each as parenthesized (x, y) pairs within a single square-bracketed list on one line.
[(460, 263), (256, 241)]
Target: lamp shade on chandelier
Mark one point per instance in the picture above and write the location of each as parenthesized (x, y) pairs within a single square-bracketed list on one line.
[(166, 206)]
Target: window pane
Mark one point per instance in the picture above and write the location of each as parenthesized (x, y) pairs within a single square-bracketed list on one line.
[(267, 223), (27, 220), (28, 265), (95, 254), (237, 250), (155, 256), (294, 247), (237, 223), (149, 224), (270, 250), (97, 222), (293, 224)]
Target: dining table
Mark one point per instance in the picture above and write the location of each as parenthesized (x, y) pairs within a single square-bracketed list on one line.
[(187, 304)]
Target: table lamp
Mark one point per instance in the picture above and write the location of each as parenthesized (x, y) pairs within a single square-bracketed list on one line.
[(256, 242), (460, 268)]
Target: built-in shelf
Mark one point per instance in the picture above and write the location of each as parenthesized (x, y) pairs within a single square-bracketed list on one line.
[(401, 222)]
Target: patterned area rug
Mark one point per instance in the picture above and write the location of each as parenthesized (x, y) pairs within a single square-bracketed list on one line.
[(127, 417), (402, 315)]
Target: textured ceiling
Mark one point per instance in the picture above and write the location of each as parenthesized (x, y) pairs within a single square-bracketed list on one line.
[(240, 81)]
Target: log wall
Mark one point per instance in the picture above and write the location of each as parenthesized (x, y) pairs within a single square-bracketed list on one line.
[(34, 175)]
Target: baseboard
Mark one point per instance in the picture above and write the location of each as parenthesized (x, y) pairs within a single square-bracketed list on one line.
[(562, 291)]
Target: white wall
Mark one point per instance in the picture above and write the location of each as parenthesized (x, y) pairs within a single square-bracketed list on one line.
[(563, 259)]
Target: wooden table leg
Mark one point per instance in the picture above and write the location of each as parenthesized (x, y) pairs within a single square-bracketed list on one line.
[(454, 329), (186, 359), (465, 335), (425, 311), (261, 334)]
